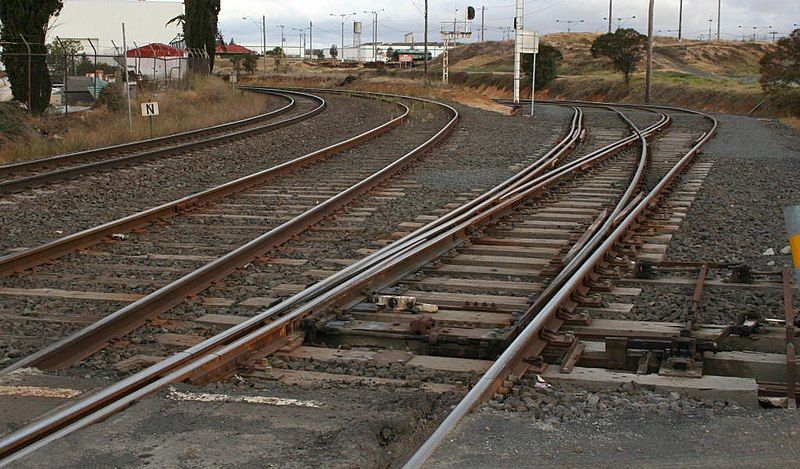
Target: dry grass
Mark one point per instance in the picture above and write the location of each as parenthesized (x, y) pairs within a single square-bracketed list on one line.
[(477, 98), (204, 102), (793, 122)]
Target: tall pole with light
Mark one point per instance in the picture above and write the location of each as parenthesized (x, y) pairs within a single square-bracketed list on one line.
[(343, 17), (680, 20), (518, 16), (610, 14), (263, 25), (374, 14)]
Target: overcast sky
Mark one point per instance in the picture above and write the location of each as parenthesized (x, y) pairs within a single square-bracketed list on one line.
[(404, 16)]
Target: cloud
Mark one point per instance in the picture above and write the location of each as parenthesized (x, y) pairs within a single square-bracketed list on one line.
[(400, 17)]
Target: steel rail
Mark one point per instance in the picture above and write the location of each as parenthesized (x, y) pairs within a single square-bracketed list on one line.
[(117, 396), (239, 341), (16, 185), (35, 256), (511, 360)]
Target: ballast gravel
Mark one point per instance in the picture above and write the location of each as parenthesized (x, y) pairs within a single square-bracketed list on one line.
[(62, 209), (737, 216)]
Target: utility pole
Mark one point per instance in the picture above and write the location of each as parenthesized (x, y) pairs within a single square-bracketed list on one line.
[(610, 14), (311, 37), (569, 23), (518, 15), (649, 74), (264, 39), (125, 79), (680, 21), (425, 72), (283, 39), (375, 33), (344, 17), (301, 33), (719, 18), (773, 34), (483, 23)]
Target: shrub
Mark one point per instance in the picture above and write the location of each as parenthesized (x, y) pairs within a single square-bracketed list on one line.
[(624, 47), (780, 68), (112, 98), (546, 64)]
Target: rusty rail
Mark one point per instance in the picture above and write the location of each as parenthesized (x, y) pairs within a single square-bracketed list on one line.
[(165, 146), (511, 361), (180, 366)]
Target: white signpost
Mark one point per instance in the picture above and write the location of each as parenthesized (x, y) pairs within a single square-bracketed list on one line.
[(529, 41), (149, 110)]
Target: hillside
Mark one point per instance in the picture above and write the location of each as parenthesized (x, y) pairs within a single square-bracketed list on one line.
[(714, 76), (720, 61)]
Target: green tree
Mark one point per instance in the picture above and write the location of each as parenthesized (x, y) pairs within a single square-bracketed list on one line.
[(334, 51), (249, 63), (62, 54), (780, 68), (200, 27), (624, 47), (27, 19), (546, 64)]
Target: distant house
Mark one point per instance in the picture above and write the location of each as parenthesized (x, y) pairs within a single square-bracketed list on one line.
[(157, 61), (224, 50)]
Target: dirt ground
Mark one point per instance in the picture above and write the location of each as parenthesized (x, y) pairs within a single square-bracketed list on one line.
[(741, 439)]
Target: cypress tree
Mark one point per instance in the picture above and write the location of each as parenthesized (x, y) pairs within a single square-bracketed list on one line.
[(27, 19), (200, 26)]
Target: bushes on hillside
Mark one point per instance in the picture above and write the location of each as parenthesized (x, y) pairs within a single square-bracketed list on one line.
[(780, 68), (624, 47), (546, 64)]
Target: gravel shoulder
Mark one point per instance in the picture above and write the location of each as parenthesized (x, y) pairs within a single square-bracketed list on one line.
[(738, 214), (627, 438), (322, 426)]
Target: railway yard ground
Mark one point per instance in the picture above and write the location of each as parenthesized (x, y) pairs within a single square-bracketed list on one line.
[(362, 279)]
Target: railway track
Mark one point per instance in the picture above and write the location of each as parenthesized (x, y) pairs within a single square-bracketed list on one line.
[(25, 175), (505, 271)]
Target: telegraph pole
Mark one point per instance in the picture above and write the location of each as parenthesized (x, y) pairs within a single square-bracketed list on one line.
[(610, 14), (311, 37), (680, 20), (343, 16), (649, 74), (719, 17), (283, 40), (375, 33), (264, 39), (425, 72), (517, 63), (483, 23)]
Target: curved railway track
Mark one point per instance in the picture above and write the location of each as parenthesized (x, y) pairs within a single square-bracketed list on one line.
[(536, 236), (25, 175)]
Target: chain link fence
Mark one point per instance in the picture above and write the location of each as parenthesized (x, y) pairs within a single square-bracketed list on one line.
[(79, 72)]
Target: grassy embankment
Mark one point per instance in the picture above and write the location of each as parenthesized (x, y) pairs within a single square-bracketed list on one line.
[(709, 76), (204, 102)]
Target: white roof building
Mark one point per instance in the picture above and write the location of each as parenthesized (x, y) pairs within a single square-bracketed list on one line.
[(101, 22)]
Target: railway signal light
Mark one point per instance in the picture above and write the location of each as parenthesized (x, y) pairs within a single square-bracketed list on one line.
[(470, 13)]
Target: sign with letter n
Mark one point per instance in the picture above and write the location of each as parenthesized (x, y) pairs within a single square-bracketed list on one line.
[(149, 109)]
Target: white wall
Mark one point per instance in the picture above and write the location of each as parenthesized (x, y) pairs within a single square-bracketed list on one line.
[(144, 20)]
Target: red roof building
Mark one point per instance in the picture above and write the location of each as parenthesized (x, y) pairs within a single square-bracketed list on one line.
[(232, 49), (155, 50)]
